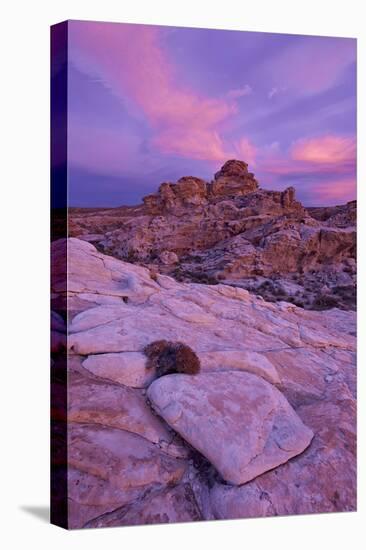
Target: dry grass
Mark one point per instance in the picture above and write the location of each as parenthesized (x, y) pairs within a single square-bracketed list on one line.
[(171, 357)]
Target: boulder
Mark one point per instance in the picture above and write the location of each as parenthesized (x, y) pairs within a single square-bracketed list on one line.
[(242, 424), (321, 479), (92, 401), (127, 368), (248, 361)]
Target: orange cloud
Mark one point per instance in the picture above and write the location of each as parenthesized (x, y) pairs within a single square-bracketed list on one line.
[(326, 149)]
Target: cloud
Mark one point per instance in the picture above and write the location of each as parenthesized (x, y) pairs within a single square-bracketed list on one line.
[(330, 149), (322, 154), (275, 91), (131, 61), (240, 92), (340, 190), (322, 169), (193, 143), (329, 192), (312, 64), (246, 151)]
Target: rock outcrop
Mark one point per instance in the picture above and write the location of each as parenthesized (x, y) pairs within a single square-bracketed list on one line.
[(233, 179), (231, 231), (343, 215), (277, 383)]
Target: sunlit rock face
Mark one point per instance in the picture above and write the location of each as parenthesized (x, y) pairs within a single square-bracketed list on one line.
[(233, 179), (267, 427)]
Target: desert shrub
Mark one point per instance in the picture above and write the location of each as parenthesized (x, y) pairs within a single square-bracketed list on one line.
[(346, 291), (199, 277), (266, 285), (279, 292), (271, 292), (195, 258), (202, 278), (179, 275), (131, 256), (171, 357), (325, 301), (347, 294)]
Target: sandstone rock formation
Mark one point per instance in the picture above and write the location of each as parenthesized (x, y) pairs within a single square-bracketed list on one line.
[(231, 231), (277, 380)]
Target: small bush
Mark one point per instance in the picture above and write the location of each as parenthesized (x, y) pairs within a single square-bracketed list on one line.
[(325, 301), (201, 278), (171, 357), (345, 291)]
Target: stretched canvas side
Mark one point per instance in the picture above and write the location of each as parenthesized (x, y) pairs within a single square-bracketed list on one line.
[(59, 209)]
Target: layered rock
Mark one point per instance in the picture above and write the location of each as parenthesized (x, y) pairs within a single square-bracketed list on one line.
[(231, 231), (277, 381)]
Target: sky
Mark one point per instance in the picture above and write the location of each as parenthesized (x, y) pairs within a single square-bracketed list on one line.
[(148, 104)]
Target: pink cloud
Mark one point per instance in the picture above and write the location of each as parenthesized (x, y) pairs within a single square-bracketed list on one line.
[(199, 143), (244, 149), (335, 191), (323, 166), (324, 154), (184, 123), (328, 149)]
